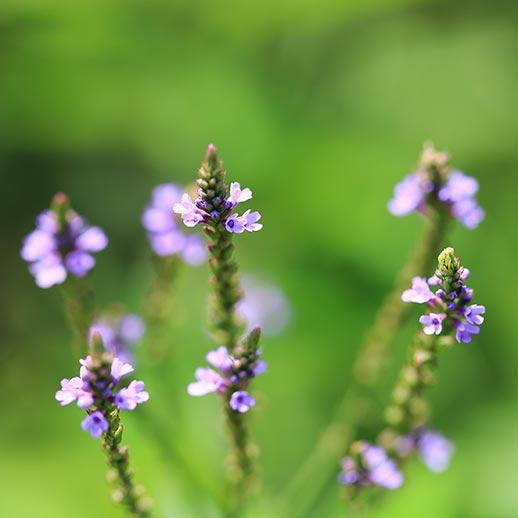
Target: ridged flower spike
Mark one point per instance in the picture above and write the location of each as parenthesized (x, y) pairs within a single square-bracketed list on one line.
[(98, 390)]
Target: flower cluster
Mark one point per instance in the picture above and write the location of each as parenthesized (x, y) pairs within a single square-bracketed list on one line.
[(164, 234), (234, 376), (449, 307), (97, 391), (263, 305), (432, 447), (221, 209), (435, 182), (120, 335), (61, 243), (369, 465)]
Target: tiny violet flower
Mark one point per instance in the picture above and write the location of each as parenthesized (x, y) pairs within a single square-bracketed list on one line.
[(207, 381), (432, 323), (474, 314), (95, 423), (235, 224), (464, 332), (238, 195), (165, 236), (432, 447), (190, 213), (120, 369), (241, 401), (220, 359), (409, 195), (128, 398), (418, 293), (72, 390), (61, 244)]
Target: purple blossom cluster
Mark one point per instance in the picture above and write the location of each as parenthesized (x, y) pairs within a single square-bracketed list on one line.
[(370, 466), (61, 244), (449, 307), (233, 378), (195, 212), (121, 335), (263, 305), (165, 236), (454, 189), (432, 447), (97, 389)]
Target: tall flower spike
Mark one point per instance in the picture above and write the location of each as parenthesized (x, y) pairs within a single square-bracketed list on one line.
[(97, 390), (434, 182), (214, 208), (445, 319)]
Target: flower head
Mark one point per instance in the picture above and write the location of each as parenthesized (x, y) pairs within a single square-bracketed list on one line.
[(98, 389), (370, 466), (238, 195), (120, 335), (61, 244), (449, 307), (435, 182), (165, 236)]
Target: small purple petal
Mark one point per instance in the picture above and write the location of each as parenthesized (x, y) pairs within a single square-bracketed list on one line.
[(93, 239), (95, 424), (241, 401), (79, 263)]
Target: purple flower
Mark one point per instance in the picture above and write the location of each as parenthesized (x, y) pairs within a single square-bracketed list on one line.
[(409, 194), (135, 394), (121, 335), (260, 367), (373, 467), (220, 359), (468, 212), (419, 292), (190, 213), (458, 187), (207, 381), (248, 221), (241, 401), (435, 450), (56, 248), (473, 314), (464, 331), (72, 390), (432, 323), (238, 195), (120, 369), (95, 424), (165, 236)]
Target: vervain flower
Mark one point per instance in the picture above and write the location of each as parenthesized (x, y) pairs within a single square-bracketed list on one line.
[(432, 447), (97, 390), (233, 377), (435, 182), (61, 244), (196, 212), (121, 335), (449, 307), (165, 236), (370, 465)]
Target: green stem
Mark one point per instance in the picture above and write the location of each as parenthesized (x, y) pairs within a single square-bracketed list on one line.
[(306, 487), (80, 308), (159, 305)]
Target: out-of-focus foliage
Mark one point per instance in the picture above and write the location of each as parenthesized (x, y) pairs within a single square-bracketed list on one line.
[(320, 107)]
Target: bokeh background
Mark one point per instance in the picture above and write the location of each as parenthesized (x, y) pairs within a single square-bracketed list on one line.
[(320, 107)]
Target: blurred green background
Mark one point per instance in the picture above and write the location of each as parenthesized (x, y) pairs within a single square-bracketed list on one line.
[(319, 107)]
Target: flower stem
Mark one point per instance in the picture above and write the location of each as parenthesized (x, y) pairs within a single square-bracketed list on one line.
[(159, 304), (307, 485), (80, 308), (226, 328)]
